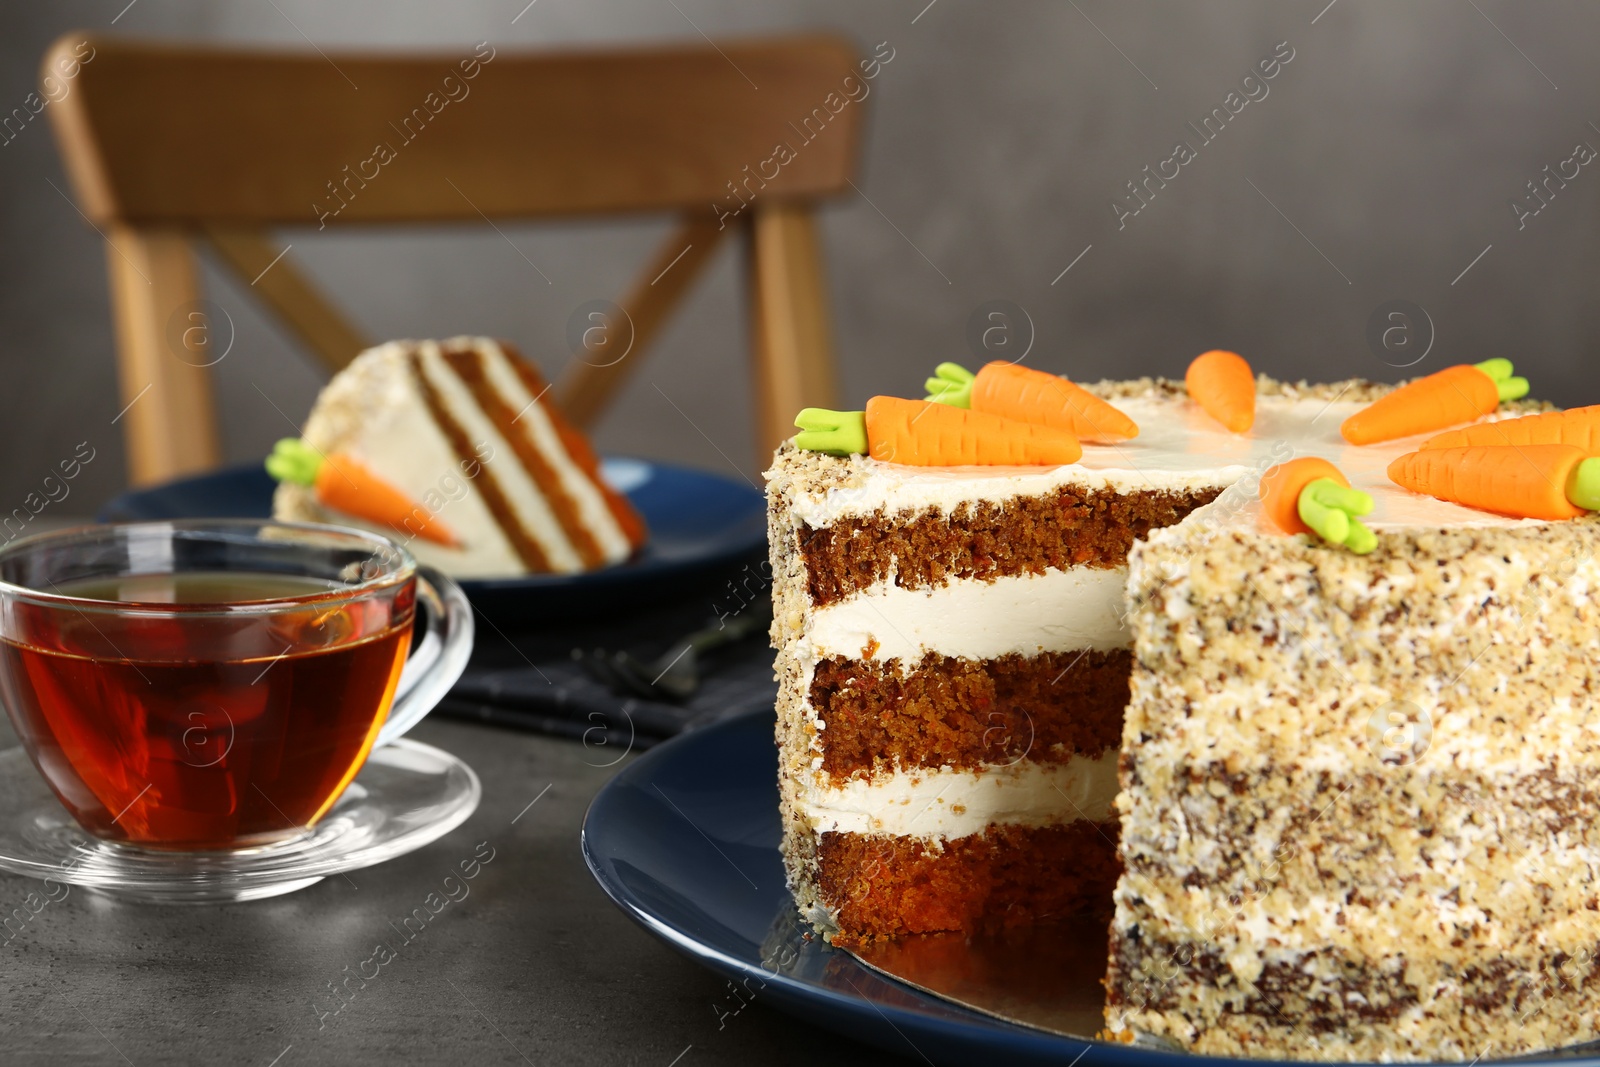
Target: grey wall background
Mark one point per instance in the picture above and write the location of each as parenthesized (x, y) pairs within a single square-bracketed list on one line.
[(1379, 166)]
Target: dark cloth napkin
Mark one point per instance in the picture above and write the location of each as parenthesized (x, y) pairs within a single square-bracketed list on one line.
[(528, 679)]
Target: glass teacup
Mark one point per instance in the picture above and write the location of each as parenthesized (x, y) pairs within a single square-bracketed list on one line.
[(216, 684)]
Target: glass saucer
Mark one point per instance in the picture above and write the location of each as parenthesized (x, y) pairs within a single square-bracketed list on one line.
[(407, 795)]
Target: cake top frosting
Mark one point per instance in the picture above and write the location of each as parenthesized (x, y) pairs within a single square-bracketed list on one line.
[(1179, 448)]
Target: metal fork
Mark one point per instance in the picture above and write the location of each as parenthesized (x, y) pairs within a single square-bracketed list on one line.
[(675, 674)]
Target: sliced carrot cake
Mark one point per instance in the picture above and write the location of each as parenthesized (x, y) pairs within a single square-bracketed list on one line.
[(454, 448)]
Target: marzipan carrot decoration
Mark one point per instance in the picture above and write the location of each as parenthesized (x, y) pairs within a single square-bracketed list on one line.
[(345, 484), (1026, 395), (1311, 495), (1224, 385), (1579, 427), (1463, 393), (1523, 481), (921, 434)]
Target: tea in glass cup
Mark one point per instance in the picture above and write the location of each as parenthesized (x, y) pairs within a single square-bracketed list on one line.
[(208, 685)]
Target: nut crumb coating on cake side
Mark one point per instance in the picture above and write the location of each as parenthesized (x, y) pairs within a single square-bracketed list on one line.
[(1357, 794), (796, 731)]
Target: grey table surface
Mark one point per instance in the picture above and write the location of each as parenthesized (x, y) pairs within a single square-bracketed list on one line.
[(534, 966)]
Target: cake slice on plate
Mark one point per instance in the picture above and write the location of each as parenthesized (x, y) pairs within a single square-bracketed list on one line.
[(452, 448)]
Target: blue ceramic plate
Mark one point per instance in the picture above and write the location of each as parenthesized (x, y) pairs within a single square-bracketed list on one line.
[(685, 840), (699, 523)]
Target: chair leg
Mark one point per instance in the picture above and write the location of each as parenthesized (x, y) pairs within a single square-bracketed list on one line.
[(792, 348), (169, 422)]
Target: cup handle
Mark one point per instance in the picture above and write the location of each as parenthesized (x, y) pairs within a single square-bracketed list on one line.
[(438, 661)]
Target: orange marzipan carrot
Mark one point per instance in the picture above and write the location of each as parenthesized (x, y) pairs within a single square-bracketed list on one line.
[(936, 435), (1527, 482), (1029, 395), (1579, 427), (346, 484), (1282, 485), (1445, 398), (1223, 384)]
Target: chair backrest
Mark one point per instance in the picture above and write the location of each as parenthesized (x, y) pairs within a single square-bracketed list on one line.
[(166, 144)]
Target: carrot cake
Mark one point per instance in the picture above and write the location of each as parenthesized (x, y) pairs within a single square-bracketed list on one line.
[(451, 447), (1335, 798)]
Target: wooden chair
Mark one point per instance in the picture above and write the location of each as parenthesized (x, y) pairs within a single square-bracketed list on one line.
[(167, 145)]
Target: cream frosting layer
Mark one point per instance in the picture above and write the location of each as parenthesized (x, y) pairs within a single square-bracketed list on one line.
[(1025, 614), (1179, 448), (948, 803)]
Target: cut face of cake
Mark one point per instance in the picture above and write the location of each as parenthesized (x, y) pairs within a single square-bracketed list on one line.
[(498, 483), (1343, 793), (953, 669)]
